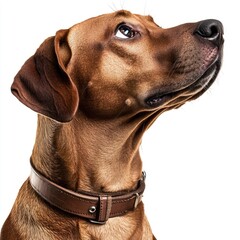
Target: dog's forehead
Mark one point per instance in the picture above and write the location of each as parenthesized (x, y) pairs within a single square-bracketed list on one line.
[(117, 17), (144, 19), (128, 14), (104, 25)]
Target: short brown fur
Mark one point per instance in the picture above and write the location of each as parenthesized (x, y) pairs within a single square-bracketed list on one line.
[(96, 93)]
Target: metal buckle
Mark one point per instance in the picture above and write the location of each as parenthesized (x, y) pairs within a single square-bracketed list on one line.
[(97, 222), (137, 200), (139, 197), (104, 209), (92, 210)]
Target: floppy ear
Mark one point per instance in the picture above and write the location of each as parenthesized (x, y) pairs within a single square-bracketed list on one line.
[(43, 84)]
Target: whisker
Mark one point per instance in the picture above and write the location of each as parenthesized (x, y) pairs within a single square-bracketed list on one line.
[(113, 7), (122, 4), (145, 8)]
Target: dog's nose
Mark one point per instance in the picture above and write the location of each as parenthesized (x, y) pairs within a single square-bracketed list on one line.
[(211, 30)]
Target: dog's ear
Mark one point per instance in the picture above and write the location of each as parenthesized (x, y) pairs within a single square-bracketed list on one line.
[(43, 84)]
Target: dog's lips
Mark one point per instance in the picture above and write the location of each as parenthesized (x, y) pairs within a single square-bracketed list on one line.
[(189, 92)]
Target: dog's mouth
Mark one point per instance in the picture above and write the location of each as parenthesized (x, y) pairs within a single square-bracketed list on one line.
[(194, 90)]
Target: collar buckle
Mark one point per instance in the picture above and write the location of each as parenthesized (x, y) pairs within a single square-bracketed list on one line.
[(96, 207)]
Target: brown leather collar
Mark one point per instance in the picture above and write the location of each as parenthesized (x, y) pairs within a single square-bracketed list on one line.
[(96, 207)]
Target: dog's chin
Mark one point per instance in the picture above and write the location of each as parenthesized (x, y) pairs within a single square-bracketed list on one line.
[(178, 97)]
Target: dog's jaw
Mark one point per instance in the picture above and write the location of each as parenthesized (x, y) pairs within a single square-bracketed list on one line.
[(178, 97)]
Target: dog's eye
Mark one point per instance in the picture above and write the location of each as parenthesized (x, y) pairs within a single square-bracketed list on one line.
[(124, 32)]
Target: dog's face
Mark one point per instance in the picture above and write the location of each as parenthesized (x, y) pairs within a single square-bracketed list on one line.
[(122, 64)]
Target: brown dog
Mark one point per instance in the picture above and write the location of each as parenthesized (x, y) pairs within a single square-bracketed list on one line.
[(97, 87)]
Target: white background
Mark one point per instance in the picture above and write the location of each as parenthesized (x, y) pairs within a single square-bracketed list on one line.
[(191, 155)]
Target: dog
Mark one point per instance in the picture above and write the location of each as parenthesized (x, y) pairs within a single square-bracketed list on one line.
[(97, 87)]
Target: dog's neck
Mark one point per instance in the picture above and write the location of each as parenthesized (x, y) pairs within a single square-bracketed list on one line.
[(88, 155)]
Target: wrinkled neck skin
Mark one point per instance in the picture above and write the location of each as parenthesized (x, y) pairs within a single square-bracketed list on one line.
[(96, 156), (90, 155)]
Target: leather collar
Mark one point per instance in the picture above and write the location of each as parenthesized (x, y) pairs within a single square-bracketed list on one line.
[(96, 207)]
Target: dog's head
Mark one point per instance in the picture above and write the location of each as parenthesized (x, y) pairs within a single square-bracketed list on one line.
[(120, 64)]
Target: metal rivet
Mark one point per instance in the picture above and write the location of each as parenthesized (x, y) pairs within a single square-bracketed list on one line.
[(92, 209)]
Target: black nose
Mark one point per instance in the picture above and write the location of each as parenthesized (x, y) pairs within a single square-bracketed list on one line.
[(211, 30)]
